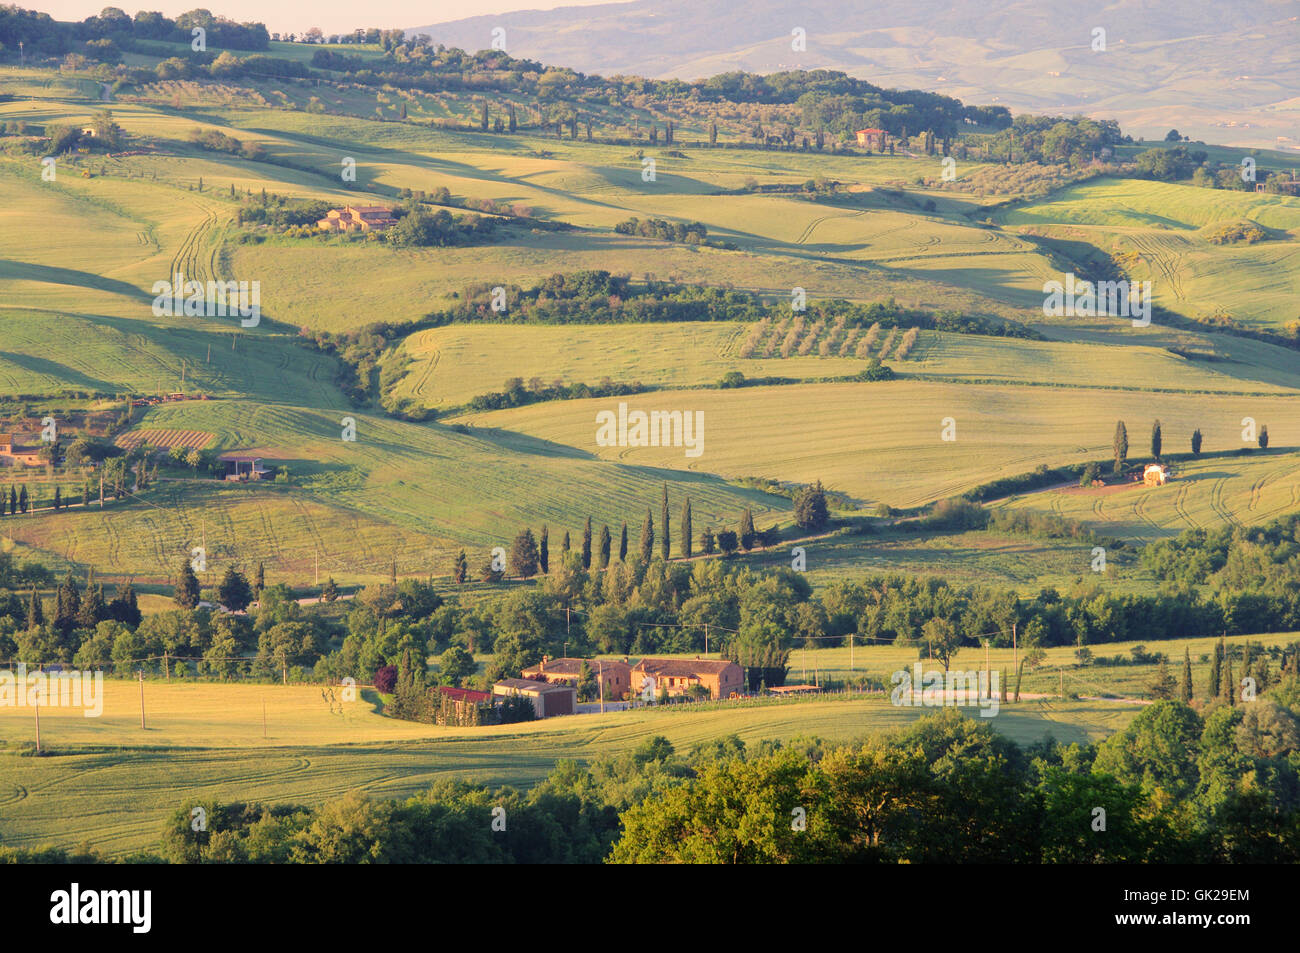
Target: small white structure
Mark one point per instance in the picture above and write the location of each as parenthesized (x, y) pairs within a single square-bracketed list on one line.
[(1156, 474)]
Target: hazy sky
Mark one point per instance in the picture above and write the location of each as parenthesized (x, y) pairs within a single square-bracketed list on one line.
[(332, 16)]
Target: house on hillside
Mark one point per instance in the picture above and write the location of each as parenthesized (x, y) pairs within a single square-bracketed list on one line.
[(549, 699), (722, 679), (872, 139), (14, 454), (358, 218), (1156, 474), (614, 678)]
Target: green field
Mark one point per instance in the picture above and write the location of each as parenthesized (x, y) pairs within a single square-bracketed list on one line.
[(1238, 491), (114, 783), (883, 441), (1164, 225)]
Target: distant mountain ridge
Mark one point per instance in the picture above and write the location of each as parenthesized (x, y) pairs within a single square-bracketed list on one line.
[(1226, 73)]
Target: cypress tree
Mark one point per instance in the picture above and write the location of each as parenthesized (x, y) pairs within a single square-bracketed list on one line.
[(622, 545), (747, 533), (1155, 440), (544, 551), (23, 499), (13, 499), (124, 608), (665, 542), (67, 603), (606, 541), (564, 546), (1196, 442), (93, 610), (686, 528), (647, 538), (259, 580), (460, 568), (1120, 445), (35, 611), (1185, 692), (1229, 688), (1261, 673), (1215, 663), (58, 499), (187, 589), (586, 544)]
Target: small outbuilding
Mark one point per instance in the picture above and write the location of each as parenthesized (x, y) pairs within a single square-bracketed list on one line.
[(1156, 474), (549, 699)]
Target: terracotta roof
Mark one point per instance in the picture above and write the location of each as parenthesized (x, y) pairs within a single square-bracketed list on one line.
[(527, 685), (573, 666), (465, 694), (681, 668)]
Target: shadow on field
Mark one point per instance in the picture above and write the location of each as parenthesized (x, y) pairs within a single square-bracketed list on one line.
[(25, 271), (61, 372)]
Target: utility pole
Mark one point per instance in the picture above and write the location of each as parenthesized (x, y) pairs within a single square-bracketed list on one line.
[(101, 487), (141, 674), (1015, 651), (850, 651), (167, 667), (600, 683)]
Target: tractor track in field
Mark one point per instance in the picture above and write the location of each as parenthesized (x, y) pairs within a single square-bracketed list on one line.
[(430, 365), (269, 532), (1140, 509), (1166, 260), (1216, 502), (187, 259), (1256, 492), (1180, 504), (807, 232), (310, 524)]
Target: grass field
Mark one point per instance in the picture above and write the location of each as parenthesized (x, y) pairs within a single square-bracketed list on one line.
[(883, 441), (1164, 226), (84, 325), (115, 783), (1213, 493), (397, 492), (452, 364)]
